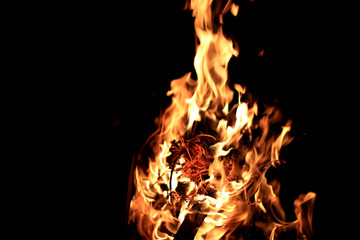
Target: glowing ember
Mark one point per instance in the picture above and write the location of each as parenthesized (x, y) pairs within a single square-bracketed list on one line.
[(204, 176)]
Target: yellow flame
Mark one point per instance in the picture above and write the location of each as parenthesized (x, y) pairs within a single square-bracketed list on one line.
[(238, 191)]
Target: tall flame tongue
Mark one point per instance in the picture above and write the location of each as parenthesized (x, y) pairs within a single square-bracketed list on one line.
[(203, 174)]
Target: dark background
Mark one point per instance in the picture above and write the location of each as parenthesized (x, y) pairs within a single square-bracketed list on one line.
[(129, 53)]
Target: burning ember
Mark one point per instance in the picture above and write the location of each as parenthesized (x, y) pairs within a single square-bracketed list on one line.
[(201, 175)]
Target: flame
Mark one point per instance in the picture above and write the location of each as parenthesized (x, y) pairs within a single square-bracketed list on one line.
[(214, 180)]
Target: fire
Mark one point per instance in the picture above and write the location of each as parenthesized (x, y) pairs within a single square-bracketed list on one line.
[(202, 175)]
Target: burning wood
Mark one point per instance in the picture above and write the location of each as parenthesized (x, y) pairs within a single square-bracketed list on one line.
[(196, 158), (204, 177)]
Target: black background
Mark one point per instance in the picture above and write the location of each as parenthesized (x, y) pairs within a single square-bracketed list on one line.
[(130, 51)]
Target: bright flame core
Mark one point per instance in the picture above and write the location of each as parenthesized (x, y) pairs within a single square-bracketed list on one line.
[(210, 155)]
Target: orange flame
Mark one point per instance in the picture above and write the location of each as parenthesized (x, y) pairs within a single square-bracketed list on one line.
[(220, 174)]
